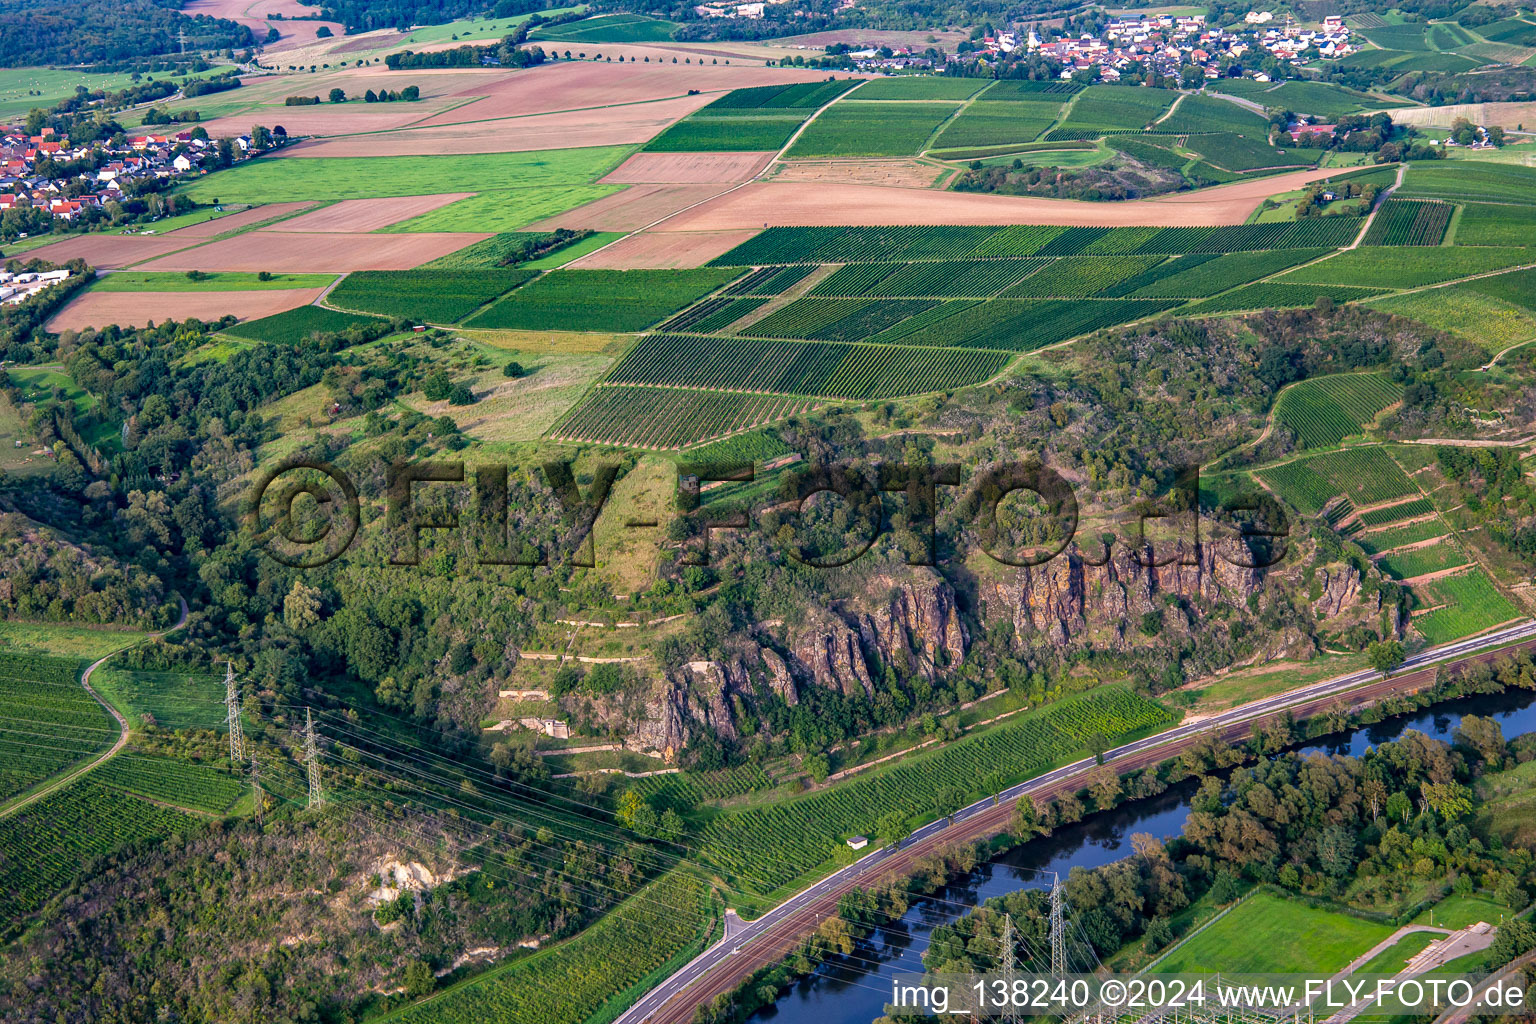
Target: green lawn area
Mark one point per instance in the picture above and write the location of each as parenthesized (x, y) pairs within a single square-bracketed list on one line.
[(281, 179), (1273, 934), (505, 209), (176, 700), (1396, 956), (62, 640), (225, 281), (561, 257), (1456, 912), (54, 84), (37, 383)]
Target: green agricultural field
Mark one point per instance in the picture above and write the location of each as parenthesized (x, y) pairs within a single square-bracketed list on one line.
[(646, 936), (1246, 152), (1269, 933), (1367, 476), (505, 209), (826, 368), (280, 179), (1511, 30), (1212, 275), (764, 848), (1081, 276), (223, 281), (433, 296), (670, 418), (1321, 98), (1476, 316), (175, 700), (1412, 562), (1409, 222), (295, 325), (47, 721), (200, 787), (60, 834), (712, 315), (1272, 295), (1517, 288), (852, 128), (1463, 180), (610, 28), (1467, 603), (600, 300), (1408, 266), (757, 446), (1101, 109), (1397, 513), (921, 88), (988, 124), (1400, 37), (1205, 114), (1496, 224), (1325, 410), (54, 84), (702, 134)]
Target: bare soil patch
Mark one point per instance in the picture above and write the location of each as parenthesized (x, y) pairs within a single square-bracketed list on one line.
[(329, 118), (98, 309), (632, 209), (256, 14), (892, 173), (688, 168), (610, 126), (664, 250), (576, 85), (110, 252), (774, 203), (352, 215), (1505, 115), (235, 221), (319, 253)]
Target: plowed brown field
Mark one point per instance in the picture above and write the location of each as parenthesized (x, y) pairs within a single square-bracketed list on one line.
[(663, 250), (688, 168), (98, 309), (631, 209), (319, 253), (110, 252)]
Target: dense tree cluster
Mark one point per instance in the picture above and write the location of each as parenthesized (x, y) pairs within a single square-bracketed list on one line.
[(95, 31)]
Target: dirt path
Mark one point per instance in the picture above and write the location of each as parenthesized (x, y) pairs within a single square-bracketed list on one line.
[(1381, 201), (122, 725), (1169, 113)]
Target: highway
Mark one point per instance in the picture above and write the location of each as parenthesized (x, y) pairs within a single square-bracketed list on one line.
[(765, 940)]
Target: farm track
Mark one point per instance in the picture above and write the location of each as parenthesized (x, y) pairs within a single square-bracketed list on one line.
[(719, 969), (122, 724)]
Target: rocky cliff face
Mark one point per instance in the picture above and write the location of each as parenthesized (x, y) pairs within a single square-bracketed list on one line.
[(908, 621)]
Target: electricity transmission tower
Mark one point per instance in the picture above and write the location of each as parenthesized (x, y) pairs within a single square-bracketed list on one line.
[(1058, 931), (1010, 1014), (312, 762), (232, 703)]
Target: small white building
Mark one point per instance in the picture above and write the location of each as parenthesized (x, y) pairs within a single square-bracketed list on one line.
[(858, 842)]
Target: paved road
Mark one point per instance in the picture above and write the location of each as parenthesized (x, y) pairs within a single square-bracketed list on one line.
[(122, 726), (767, 939)]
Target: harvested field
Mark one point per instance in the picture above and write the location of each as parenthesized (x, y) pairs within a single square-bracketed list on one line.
[(337, 252), (890, 173), (634, 208), (254, 14), (574, 129), (109, 252), (664, 250), (352, 215), (235, 221), (805, 204), (98, 309), (1505, 115), (861, 37), (329, 118), (688, 168), (577, 85)]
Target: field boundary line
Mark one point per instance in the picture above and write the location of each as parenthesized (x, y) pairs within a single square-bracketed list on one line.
[(53, 785), (1165, 954), (1381, 201)]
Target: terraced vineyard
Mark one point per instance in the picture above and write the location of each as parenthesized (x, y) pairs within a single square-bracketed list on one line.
[(1397, 513), (760, 849), (1420, 561), (58, 835), (1470, 603), (1325, 410), (669, 418), (684, 791), (1366, 476), (1409, 222), (1384, 540), (47, 721)]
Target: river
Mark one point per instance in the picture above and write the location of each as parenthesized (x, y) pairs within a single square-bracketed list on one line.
[(853, 990)]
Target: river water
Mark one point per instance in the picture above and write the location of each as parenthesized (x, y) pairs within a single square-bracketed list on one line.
[(853, 990)]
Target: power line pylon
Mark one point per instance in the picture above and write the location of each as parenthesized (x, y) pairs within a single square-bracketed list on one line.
[(232, 703), (1058, 931), (312, 762), (1010, 1013)]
